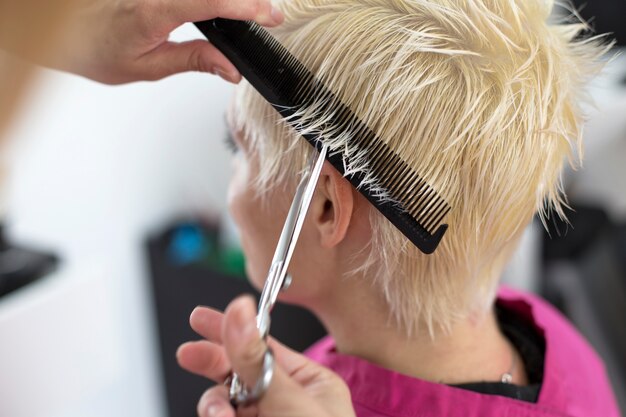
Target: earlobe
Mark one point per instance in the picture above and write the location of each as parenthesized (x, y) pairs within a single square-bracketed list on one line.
[(333, 206)]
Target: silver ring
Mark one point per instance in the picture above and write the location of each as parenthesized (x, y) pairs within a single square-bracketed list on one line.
[(240, 395)]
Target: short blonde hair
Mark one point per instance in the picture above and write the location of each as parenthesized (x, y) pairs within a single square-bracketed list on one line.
[(481, 97)]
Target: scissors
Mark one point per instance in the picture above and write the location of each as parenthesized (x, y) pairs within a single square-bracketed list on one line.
[(278, 279)]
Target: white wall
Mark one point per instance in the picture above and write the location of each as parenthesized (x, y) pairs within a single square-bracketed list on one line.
[(602, 179), (94, 169)]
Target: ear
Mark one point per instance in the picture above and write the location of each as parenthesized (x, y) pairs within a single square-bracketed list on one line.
[(332, 206)]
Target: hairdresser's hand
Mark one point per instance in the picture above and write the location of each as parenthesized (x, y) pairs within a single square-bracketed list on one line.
[(299, 387), (120, 41)]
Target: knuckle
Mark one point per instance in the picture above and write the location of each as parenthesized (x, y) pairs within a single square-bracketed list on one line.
[(135, 12), (129, 7), (195, 61), (253, 353)]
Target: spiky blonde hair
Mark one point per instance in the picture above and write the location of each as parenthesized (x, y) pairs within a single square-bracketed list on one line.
[(481, 97)]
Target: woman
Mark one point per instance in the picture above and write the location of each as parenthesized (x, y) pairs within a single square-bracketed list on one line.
[(483, 98)]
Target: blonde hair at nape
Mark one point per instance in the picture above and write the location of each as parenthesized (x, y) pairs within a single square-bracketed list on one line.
[(481, 97)]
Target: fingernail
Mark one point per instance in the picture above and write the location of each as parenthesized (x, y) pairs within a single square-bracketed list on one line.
[(214, 409), (231, 77), (277, 15)]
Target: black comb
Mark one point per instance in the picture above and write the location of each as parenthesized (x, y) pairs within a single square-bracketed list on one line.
[(290, 87)]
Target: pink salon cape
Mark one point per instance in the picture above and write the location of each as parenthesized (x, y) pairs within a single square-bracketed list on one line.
[(575, 383)]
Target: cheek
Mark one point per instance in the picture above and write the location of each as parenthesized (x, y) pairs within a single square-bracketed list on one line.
[(254, 224), (236, 193), (259, 227)]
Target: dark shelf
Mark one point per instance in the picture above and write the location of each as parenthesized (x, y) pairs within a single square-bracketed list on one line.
[(177, 290)]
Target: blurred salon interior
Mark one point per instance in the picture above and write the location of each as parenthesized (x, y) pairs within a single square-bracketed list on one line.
[(114, 226)]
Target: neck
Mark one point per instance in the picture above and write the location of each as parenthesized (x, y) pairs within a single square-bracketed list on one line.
[(473, 351)]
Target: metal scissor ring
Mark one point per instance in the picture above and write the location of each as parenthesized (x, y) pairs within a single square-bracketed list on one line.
[(241, 396)]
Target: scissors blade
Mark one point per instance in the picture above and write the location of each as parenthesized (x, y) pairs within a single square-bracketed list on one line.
[(288, 238), (305, 202)]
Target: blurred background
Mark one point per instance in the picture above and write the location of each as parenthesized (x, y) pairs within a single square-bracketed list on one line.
[(114, 226)]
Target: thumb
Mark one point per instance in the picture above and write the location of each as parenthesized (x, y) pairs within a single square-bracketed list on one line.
[(198, 55), (246, 351), (242, 341)]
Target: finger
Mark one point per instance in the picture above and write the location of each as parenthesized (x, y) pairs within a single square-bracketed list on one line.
[(290, 360), (207, 322), (173, 58), (215, 403), (261, 11), (205, 359), (285, 394), (244, 346), (242, 340)]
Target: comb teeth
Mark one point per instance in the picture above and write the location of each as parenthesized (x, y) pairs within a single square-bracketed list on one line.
[(415, 207)]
